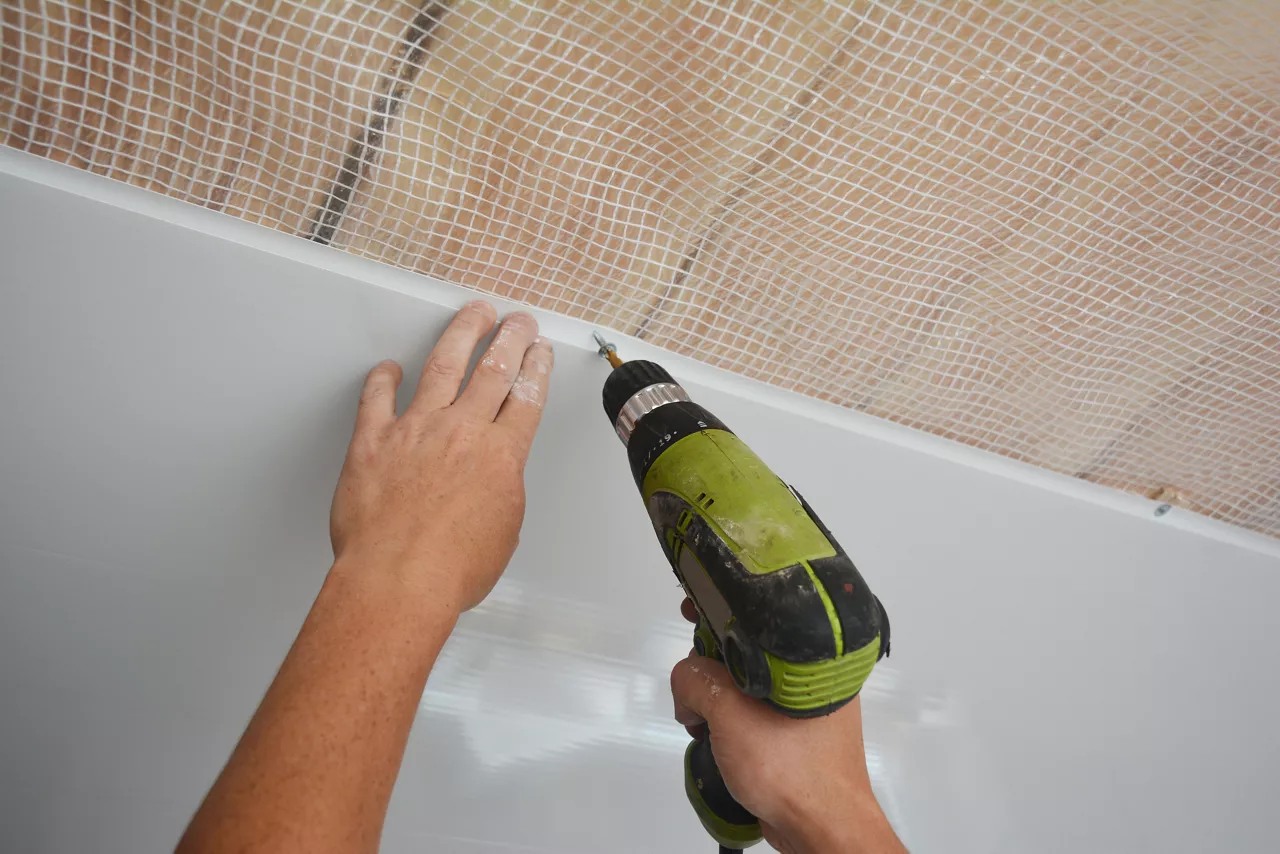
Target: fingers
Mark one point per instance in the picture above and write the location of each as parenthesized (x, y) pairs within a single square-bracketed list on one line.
[(442, 374), (522, 410), (701, 687), (494, 375), (378, 397), (688, 610)]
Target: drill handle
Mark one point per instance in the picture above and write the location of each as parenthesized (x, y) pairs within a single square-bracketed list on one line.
[(727, 821)]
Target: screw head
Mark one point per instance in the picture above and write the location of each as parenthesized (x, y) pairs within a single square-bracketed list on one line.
[(1163, 509), (605, 347)]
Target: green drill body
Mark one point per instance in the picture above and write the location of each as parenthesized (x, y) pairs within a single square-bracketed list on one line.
[(778, 599)]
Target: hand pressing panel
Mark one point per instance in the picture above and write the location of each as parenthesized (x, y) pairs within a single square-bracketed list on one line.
[(437, 493)]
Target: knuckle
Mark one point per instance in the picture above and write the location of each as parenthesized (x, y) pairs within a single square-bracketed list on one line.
[(493, 366), (414, 425), (680, 677), (373, 391), (508, 456), (528, 391), (538, 363), (363, 450), (442, 367)]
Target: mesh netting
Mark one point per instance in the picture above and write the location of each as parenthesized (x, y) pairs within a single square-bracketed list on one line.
[(1044, 230)]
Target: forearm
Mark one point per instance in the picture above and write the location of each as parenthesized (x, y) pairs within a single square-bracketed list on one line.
[(315, 768)]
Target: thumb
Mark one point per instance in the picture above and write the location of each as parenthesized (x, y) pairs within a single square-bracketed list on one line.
[(701, 688)]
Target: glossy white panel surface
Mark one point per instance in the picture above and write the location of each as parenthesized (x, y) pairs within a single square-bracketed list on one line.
[(1067, 676)]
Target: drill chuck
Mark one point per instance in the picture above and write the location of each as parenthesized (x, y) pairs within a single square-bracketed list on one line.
[(629, 378), (635, 389)]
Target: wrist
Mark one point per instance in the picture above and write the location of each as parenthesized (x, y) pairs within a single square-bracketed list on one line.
[(854, 824), (410, 586)]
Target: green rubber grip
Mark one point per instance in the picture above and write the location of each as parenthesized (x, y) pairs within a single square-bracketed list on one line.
[(727, 821)]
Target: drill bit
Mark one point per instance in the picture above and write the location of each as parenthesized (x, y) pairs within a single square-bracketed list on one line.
[(607, 350)]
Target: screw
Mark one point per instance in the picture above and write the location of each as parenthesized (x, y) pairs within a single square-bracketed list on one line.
[(607, 350), (1163, 509)]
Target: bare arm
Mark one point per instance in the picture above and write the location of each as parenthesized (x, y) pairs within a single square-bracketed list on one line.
[(426, 515)]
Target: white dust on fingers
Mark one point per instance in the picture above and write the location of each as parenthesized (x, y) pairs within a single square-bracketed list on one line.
[(713, 687), (509, 327), (530, 386), (527, 391)]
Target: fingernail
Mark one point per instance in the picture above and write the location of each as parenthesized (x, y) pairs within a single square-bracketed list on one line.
[(521, 317)]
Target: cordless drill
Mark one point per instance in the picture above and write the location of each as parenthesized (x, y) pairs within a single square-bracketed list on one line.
[(778, 600)]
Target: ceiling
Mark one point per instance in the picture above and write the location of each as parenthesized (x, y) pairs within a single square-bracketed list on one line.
[(1047, 230)]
